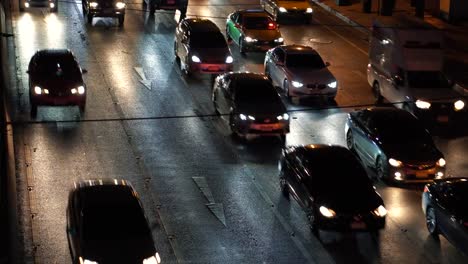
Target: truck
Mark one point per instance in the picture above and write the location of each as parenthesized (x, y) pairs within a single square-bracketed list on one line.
[(406, 61)]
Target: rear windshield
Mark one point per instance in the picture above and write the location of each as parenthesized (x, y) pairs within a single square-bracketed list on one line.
[(208, 40), (427, 79), (58, 68), (260, 22), (256, 91), (305, 61)]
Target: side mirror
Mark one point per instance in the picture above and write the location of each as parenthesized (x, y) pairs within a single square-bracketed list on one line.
[(327, 64), (84, 70)]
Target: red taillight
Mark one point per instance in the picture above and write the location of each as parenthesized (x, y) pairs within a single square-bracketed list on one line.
[(271, 25), (426, 189)]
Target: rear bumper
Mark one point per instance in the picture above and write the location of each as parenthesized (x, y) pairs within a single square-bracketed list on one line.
[(346, 225), (107, 12), (328, 93), (59, 100), (408, 175), (275, 129), (261, 45), (211, 68)]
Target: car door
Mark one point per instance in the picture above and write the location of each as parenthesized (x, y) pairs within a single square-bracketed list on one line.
[(371, 146), (225, 99), (360, 136), (441, 210), (183, 45), (297, 179), (277, 70)]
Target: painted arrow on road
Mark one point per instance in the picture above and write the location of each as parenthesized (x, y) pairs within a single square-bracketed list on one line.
[(144, 81), (216, 208)]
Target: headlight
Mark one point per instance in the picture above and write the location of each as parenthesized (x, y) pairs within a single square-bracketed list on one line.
[(327, 212), (249, 39), (196, 59), (51, 5), (37, 90), (441, 162), (332, 84), (395, 163), (309, 10), (284, 116), (81, 89), (156, 259), (380, 211), (93, 4), (243, 117), (86, 261), (297, 84), (279, 40), (459, 105), (229, 59), (251, 117), (26, 5), (423, 104), (120, 5), (282, 10)]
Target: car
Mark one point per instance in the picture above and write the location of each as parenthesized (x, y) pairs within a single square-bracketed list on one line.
[(55, 78), (395, 143), (444, 203), (106, 223), (288, 9), (170, 5), (253, 30), (104, 8), (199, 46), (332, 187), (300, 72), (250, 105), (27, 4)]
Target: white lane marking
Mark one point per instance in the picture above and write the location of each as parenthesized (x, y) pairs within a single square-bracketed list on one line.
[(144, 81), (216, 208), (318, 41)]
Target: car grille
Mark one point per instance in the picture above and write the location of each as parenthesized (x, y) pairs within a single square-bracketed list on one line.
[(296, 11), (265, 120), (420, 166), (316, 86)]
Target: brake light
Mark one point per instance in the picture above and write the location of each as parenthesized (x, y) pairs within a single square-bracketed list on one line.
[(426, 189), (271, 25)]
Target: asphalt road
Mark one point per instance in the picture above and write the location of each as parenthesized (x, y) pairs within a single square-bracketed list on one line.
[(156, 131)]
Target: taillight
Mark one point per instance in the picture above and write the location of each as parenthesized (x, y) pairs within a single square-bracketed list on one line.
[(426, 189), (271, 25)]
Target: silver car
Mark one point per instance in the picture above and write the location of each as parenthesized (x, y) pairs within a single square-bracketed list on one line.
[(300, 72)]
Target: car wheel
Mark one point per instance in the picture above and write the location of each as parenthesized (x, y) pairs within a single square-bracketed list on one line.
[(376, 91), (312, 218), (350, 141), (431, 222), (83, 9), (121, 21), (82, 107), (283, 186), (241, 46), (215, 104), (152, 8), (89, 18), (33, 110), (267, 72), (283, 139), (286, 90), (380, 170), (185, 71)]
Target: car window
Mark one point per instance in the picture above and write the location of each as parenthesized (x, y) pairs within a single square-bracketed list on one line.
[(278, 55), (398, 128), (58, 67), (427, 79), (207, 40), (256, 22), (255, 91), (313, 61)]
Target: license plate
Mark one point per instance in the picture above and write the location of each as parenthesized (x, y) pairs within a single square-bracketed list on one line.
[(108, 10), (442, 118), (420, 174), (213, 68), (358, 225), (266, 127)]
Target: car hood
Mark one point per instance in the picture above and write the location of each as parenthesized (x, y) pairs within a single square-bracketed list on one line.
[(305, 75), (301, 5), (57, 84), (119, 251), (261, 108), (439, 94), (350, 203), (262, 34), (412, 152), (212, 54)]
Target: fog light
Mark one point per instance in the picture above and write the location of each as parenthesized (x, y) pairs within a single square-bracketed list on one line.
[(398, 176)]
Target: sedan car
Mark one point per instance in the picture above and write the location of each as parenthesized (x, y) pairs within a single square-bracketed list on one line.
[(445, 205), (332, 187), (395, 143), (200, 46), (55, 78), (253, 30), (104, 8), (27, 4), (106, 224), (288, 9), (300, 72), (250, 105)]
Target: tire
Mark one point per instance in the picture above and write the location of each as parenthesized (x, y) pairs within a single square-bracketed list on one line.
[(380, 170), (82, 107), (267, 73), (283, 186), (376, 91), (215, 105), (121, 21), (431, 223), (242, 49), (283, 139), (89, 18), (286, 90), (152, 9), (350, 141), (185, 71), (312, 218), (33, 110)]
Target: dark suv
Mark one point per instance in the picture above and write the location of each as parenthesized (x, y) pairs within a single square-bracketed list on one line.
[(201, 47), (104, 8), (154, 5)]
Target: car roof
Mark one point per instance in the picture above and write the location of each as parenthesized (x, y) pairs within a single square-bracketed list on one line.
[(54, 52), (105, 192), (201, 25), (298, 49), (253, 12), (245, 76)]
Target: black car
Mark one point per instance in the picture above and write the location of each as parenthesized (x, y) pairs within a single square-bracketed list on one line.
[(332, 187), (200, 47), (169, 5), (249, 103), (445, 204), (106, 224), (55, 78), (27, 4), (104, 8), (395, 143)]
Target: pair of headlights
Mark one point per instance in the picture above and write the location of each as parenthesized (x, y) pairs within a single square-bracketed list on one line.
[(284, 10), (156, 259), (196, 59), (118, 5), (244, 117), (250, 39), (457, 106), (79, 90), (299, 84), (396, 163), (380, 211)]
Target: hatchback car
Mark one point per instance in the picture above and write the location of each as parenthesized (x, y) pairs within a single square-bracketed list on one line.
[(170, 5), (104, 8), (250, 104), (332, 187), (200, 46), (395, 143), (445, 205), (27, 4), (300, 72), (106, 224), (288, 9), (253, 30), (55, 78)]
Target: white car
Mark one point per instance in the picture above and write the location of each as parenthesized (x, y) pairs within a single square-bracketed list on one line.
[(300, 72)]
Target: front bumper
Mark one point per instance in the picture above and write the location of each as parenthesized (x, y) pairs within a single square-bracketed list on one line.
[(58, 100), (358, 223), (33, 3), (261, 45), (106, 12), (313, 90), (416, 174), (260, 129), (211, 68), (294, 13), (441, 114)]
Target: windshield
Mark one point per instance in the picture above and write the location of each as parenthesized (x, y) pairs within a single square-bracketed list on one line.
[(304, 61), (399, 129), (58, 68), (256, 91), (208, 40), (427, 79), (261, 22)]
